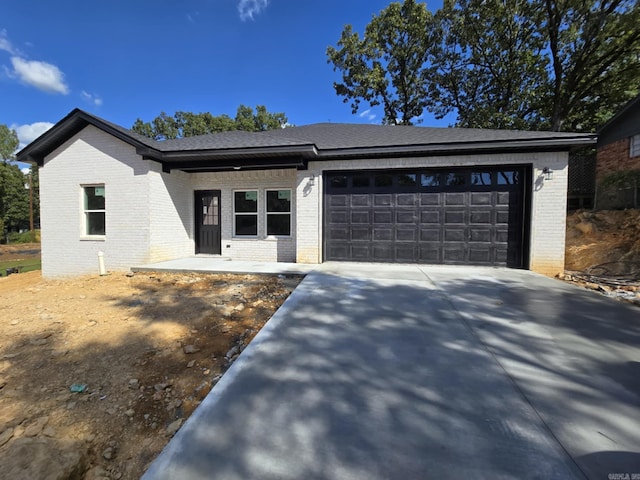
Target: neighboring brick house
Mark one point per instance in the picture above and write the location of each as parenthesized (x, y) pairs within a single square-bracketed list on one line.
[(618, 145), (323, 192)]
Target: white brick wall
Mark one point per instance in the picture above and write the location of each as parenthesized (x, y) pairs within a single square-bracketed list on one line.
[(93, 157), (150, 214), (171, 214), (548, 209), (263, 248)]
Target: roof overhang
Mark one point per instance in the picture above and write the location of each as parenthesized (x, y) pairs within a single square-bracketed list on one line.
[(62, 131), (529, 145), (228, 159), (282, 154)]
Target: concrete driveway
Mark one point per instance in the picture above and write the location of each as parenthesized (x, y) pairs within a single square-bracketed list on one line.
[(419, 372)]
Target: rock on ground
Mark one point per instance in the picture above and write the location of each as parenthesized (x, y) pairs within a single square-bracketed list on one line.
[(43, 458)]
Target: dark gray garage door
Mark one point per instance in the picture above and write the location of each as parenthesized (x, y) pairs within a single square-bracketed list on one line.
[(454, 216)]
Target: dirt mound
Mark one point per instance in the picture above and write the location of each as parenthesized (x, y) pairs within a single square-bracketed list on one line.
[(603, 237), (603, 252)]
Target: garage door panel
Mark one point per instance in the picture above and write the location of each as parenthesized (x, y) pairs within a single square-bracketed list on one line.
[(502, 217), (428, 199), (382, 200), (480, 217), (503, 198), (383, 252), (360, 234), (406, 234), (454, 253), (480, 198), (480, 255), (458, 216), (382, 234), (430, 253), (338, 251), (502, 235), (406, 253), (454, 217), (360, 216), (479, 235), (383, 217), (361, 252), (406, 216), (360, 200), (430, 216), (406, 200), (430, 234), (455, 199), (455, 234), (338, 200), (339, 217), (338, 234)]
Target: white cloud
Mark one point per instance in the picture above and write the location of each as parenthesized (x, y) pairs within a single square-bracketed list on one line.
[(91, 98), (368, 115), (5, 44), (249, 8), (28, 133), (42, 75)]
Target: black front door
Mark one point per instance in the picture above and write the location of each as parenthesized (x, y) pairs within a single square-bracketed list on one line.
[(207, 214)]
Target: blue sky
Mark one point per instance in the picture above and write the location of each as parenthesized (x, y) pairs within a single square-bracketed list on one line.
[(122, 60)]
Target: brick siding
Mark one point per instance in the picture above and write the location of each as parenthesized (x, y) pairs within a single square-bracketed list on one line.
[(614, 157), (548, 209), (149, 214)]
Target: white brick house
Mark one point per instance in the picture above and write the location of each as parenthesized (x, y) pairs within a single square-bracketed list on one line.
[(303, 194)]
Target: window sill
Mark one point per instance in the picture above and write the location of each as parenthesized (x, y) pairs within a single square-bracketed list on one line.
[(278, 237), (93, 238)]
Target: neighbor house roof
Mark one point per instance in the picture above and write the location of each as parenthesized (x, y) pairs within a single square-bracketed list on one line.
[(623, 124), (295, 146)]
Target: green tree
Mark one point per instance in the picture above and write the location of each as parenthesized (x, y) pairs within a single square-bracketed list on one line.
[(595, 58), (488, 64), (188, 124), (387, 66), (533, 64), (14, 198), (8, 143)]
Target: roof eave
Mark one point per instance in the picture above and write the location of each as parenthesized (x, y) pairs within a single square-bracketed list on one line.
[(66, 128), (556, 144)]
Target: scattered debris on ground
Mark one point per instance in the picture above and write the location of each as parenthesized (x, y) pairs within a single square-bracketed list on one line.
[(603, 252), (97, 373)]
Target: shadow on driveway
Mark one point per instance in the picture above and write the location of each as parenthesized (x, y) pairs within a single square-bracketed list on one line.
[(363, 378)]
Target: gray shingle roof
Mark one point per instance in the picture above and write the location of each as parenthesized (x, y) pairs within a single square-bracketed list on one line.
[(347, 136), (310, 142)]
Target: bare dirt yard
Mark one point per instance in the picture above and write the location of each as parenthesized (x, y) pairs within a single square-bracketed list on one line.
[(97, 373), (603, 252)]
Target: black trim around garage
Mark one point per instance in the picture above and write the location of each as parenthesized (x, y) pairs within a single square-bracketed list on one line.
[(458, 216)]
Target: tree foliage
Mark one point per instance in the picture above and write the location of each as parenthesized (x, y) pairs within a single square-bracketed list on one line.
[(8, 143), (14, 198), (14, 194), (528, 64), (188, 124), (387, 65)]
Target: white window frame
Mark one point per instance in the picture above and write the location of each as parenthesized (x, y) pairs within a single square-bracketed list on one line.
[(256, 213), (85, 212), (267, 212), (634, 146)]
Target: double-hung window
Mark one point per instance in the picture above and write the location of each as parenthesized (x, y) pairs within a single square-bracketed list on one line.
[(245, 213), (94, 210), (634, 151), (279, 212)]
